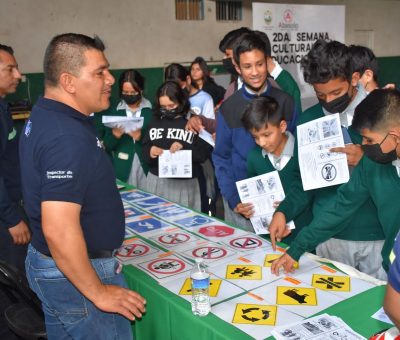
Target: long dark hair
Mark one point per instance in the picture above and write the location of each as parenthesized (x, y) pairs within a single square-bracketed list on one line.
[(173, 91), (204, 67), (134, 78)]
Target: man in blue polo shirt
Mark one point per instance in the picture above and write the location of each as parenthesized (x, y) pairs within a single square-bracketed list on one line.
[(14, 233), (75, 210)]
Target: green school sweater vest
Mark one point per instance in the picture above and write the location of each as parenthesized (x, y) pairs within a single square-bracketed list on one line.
[(126, 146), (369, 180), (362, 225), (258, 165)]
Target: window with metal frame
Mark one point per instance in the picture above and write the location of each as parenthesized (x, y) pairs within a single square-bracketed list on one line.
[(189, 10), (228, 10)]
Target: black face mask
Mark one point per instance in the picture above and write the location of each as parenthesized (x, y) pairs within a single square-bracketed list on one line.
[(375, 153), (131, 99), (337, 105), (169, 114), (228, 65)]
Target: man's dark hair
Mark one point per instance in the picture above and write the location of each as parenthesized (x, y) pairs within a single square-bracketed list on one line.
[(248, 42), (65, 53), (261, 112), (175, 72), (7, 49), (134, 78), (362, 59), (379, 111), (228, 41), (264, 37), (325, 61), (173, 91)]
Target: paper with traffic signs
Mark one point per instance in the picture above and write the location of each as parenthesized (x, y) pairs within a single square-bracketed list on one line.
[(166, 268), (169, 211), (296, 296), (253, 315), (212, 253), (217, 231), (135, 250), (335, 282), (175, 239), (147, 225), (247, 243), (134, 195), (244, 273), (220, 290)]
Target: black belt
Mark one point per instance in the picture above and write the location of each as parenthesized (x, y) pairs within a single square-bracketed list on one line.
[(96, 254)]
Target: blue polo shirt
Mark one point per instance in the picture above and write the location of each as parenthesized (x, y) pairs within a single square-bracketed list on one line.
[(63, 160)]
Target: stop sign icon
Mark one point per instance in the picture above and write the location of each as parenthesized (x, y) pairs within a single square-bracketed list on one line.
[(216, 231)]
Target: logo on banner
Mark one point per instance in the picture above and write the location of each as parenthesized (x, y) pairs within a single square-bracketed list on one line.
[(255, 314), (215, 284), (331, 282), (288, 16), (268, 17), (296, 296), (247, 272)]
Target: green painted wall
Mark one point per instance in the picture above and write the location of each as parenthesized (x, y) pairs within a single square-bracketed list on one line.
[(389, 72)]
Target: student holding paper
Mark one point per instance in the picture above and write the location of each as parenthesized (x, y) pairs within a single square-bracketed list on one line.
[(359, 240), (274, 151), (166, 132), (126, 147)]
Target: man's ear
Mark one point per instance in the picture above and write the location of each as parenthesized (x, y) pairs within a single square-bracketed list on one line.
[(355, 77), (236, 66), (283, 126), (368, 76), (67, 82)]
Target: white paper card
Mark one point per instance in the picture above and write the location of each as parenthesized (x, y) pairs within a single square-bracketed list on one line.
[(175, 165), (206, 136), (264, 192), (128, 124), (318, 166)]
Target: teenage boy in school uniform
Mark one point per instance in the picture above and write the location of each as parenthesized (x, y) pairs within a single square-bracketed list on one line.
[(233, 142), (327, 67), (274, 151)]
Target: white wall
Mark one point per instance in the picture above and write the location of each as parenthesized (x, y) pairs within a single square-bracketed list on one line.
[(144, 33)]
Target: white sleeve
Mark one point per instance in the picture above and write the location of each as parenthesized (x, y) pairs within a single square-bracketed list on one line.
[(208, 108)]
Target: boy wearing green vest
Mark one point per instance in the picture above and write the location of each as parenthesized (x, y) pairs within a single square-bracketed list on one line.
[(376, 177), (327, 67), (265, 121)]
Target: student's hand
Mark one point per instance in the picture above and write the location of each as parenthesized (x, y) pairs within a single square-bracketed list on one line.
[(176, 146), (277, 228), (20, 233), (275, 205), (244, 209), (135, 134), (390, 86), (286, 262), (155, 151), (270, 64), (117, 132), (115, 299), (194, 124), (353, 152)]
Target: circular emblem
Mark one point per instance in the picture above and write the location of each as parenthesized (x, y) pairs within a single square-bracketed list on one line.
[(288, 16), (268, 17), (328, 172)]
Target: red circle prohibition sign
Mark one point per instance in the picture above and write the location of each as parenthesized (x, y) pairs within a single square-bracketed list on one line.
[(245, 242), (132, 248), (208, 252), (152, 264), (174, 238)]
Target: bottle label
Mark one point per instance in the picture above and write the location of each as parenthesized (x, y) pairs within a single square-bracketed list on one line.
[(201, 284)]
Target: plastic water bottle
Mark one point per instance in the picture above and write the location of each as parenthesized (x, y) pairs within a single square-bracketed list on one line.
[(200, 289)]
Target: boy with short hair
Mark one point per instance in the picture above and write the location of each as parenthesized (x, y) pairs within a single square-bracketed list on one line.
[(274, 151), (359, 240)]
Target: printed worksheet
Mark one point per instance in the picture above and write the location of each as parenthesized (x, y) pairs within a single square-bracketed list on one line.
[(175, 165), (318, 166), (206, 136), (265, 192), (319, 327), (128, 124)]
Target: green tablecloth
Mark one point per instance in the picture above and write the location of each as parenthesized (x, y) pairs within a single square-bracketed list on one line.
[(170, 317)]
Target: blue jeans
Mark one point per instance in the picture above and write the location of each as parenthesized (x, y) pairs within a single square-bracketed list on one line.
[(68, 314)]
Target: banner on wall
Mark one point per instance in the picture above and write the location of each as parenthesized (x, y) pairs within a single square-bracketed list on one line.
[(293, 29)]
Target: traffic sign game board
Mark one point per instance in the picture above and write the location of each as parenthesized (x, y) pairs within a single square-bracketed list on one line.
[(193, 221), (147, 224), (217, 231), (248, 243), (213, 254), (134, 195), (135, 250), (175, 239), (169, 211)]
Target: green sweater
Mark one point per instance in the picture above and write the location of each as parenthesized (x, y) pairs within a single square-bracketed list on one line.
[(289, 85), (127, 146), (369, 180), (362, 225), (257, 165)]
